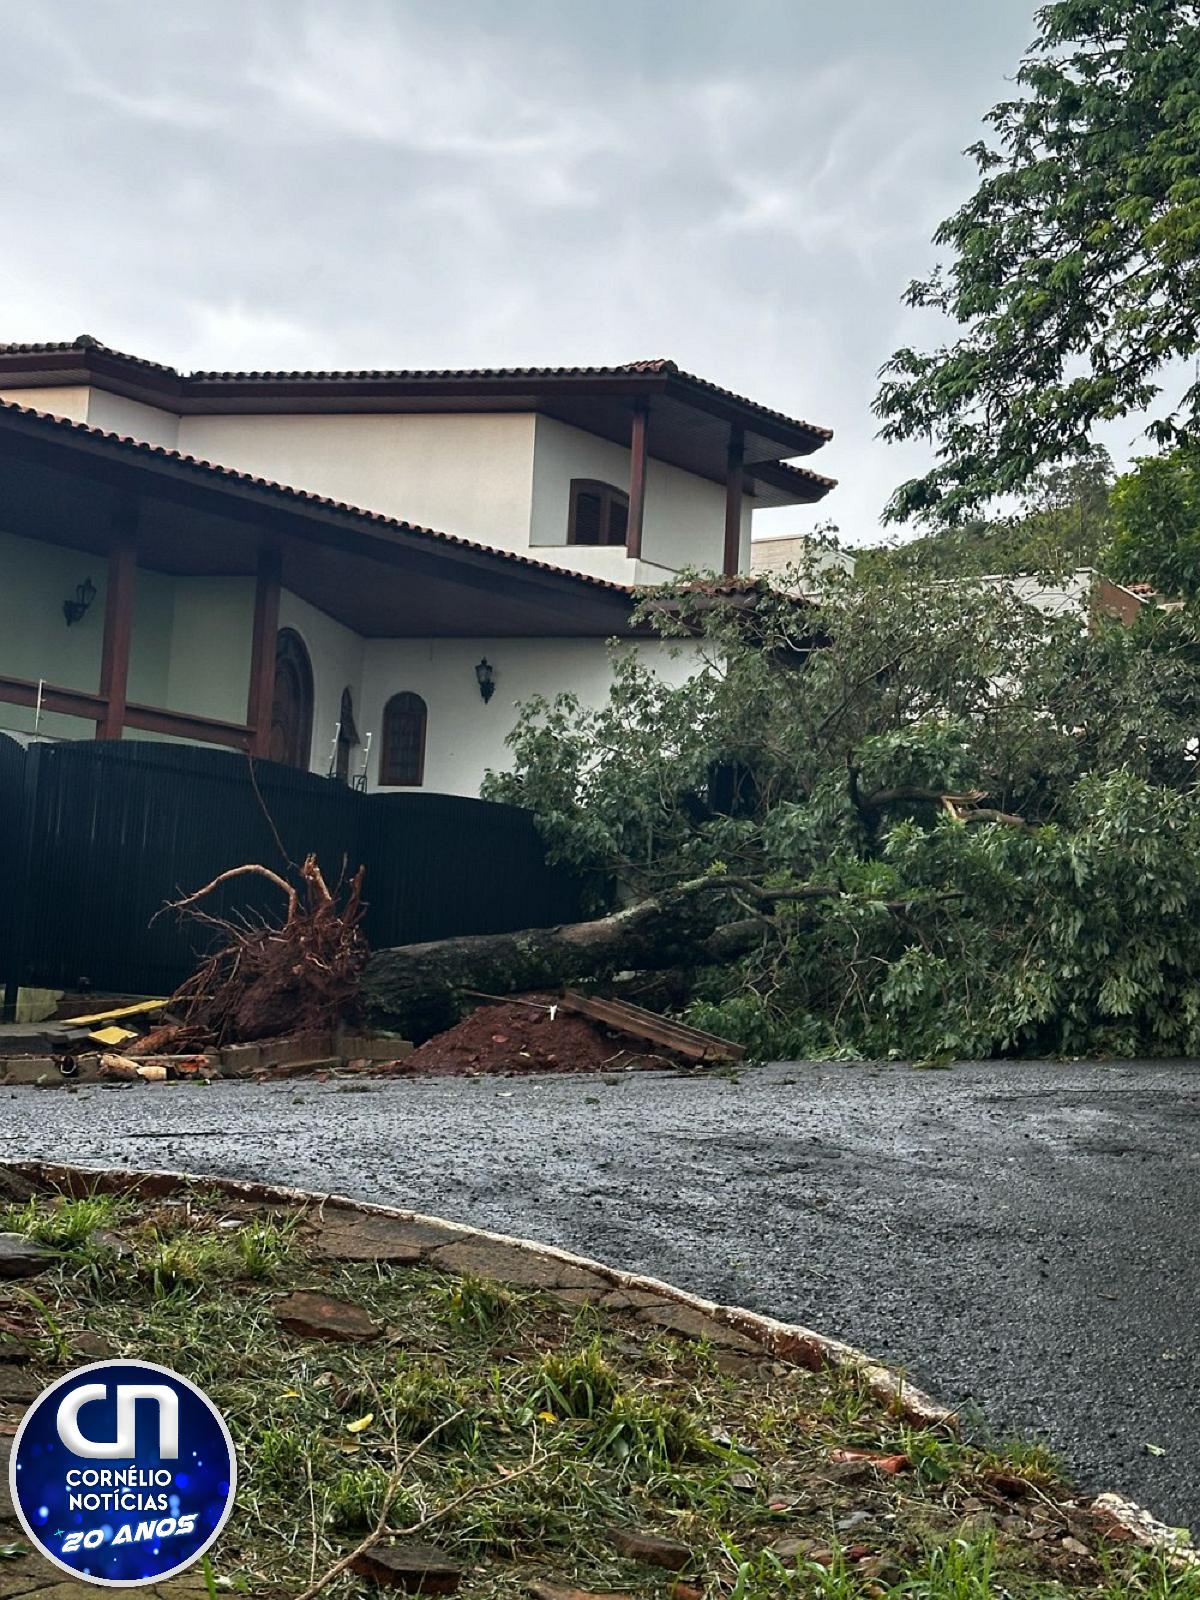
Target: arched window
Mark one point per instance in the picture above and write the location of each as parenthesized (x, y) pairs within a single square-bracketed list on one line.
[(402, 755), (292, 706), (599, 513)]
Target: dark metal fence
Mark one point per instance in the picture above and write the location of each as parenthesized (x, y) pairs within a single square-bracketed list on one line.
[(95, 837)]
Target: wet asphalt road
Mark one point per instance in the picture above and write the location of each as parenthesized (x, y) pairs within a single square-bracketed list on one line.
[(1020, 1235)]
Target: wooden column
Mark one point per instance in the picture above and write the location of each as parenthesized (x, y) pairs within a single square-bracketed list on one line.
[(637, 480), (262, 652), (733, 501), (118, 631)]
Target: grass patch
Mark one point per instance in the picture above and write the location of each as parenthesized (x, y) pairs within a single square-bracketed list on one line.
[(550, 1424)]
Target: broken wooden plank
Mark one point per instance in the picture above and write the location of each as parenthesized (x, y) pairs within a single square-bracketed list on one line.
[(622, 1017), (141, 1009)]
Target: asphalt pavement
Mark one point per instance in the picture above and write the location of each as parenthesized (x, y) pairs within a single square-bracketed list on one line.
[(1020, 1237)]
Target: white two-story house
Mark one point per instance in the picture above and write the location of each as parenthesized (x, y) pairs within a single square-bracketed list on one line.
[(354, 572)]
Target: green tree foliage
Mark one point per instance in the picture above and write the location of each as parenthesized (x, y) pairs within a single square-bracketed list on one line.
[(976, 823), (1064, 523), (1075, 278), (1156, 511)]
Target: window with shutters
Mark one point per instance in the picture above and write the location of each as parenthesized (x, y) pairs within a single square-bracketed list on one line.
[(402, 755), (599, 513)]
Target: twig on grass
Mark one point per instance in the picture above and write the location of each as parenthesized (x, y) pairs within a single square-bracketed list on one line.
[(377, 1532)]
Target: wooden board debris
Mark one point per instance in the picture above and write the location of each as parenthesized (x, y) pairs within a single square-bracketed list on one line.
[(693, 1043)]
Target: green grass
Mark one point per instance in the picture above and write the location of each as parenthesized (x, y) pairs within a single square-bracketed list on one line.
[(549, 1424)]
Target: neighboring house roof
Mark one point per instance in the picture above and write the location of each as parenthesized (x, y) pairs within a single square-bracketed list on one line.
[(689, 426), (60, 444)]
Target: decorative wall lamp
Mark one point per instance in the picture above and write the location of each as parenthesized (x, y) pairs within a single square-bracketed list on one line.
[(74, 610), (486, 679)]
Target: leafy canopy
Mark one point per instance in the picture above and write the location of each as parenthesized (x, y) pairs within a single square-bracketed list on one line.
[(1075, 273), (1064, 523), (996, 806), (1156, 511)]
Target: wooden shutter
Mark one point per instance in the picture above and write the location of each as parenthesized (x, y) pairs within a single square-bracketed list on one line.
[(402, 758), (599, 513)]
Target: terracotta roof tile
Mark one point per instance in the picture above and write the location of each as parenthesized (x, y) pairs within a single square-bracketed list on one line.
[(301, 497), (660, 366)]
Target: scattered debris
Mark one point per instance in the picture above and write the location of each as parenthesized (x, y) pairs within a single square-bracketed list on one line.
[(538, 1589), (651, 1549), (416, 1567), (22, 1258), (691, 1043), (139, 1008), (562, 1033), (516, 1037), (321, 1316), (889, 1464)]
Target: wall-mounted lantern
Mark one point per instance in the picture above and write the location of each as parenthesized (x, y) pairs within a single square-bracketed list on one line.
[(74, 610), (486, 679)]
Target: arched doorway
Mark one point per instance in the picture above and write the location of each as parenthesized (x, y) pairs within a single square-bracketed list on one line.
[(292, 707)]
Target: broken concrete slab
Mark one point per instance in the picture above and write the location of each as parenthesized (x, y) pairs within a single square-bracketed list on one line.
[(650, 1549), (22, 1258), (321, 1316), (349, 1236), (414, 1232), (414, 1566), (693, 1324), (511, 1264)]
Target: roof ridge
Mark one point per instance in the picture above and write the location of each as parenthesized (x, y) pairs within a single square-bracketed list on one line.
[(655, 367), (306, 496)]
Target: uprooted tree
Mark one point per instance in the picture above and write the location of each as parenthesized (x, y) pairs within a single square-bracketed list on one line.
[(896, 818), (299, 972)]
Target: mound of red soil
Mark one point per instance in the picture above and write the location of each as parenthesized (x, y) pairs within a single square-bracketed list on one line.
[(521, 1038)]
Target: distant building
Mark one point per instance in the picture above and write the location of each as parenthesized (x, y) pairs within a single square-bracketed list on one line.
[(776, 552), (1084, 593)]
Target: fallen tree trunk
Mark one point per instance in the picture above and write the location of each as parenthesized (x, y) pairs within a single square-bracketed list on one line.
[(416, 988)]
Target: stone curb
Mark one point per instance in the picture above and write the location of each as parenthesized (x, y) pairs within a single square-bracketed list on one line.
[(786, 1342)]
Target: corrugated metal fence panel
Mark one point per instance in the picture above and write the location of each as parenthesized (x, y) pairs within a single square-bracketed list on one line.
[(115, 830), (440, 865), (12, 816)]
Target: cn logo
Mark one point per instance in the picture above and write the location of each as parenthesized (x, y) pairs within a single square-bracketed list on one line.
[(124, 1446), (122, 1473)]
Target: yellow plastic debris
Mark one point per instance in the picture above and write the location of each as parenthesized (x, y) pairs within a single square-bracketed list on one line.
[(141, 1009), (112, 1035)]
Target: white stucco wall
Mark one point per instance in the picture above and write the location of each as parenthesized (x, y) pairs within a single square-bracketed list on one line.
[(336, 656), (684, 523), (66, 400), (210, 647), (112, 413), (35, 641), (501, 478), (131, 419), (191, 652), (470, 475), (464, 736), (190, 648)]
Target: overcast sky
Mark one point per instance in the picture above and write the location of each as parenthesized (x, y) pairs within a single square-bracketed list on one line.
[(744, 185)]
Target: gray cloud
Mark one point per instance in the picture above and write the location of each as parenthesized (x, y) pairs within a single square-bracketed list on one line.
[(353, 183)]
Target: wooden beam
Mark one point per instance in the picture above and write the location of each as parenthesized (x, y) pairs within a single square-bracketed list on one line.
[(150, 719), (186, 725), (637, 480), (262, 651), (118, 633), (734, 479), (66, 702)]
